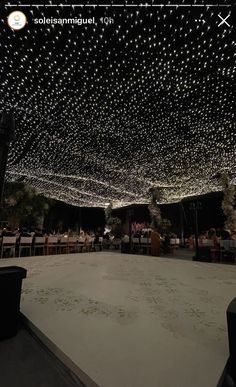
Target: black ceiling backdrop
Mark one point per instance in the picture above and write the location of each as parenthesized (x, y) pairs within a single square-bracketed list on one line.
[(62, 216)]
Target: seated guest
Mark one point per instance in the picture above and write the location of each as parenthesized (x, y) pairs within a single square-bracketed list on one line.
[(125, 238), (25, 233), (136, 235), (96, 238), (106, 241), (225, 234), (218, 232), (7, 232), (125, 247), (97, 242), (202, 237), (191, 241), (38, 232), (212, 235)]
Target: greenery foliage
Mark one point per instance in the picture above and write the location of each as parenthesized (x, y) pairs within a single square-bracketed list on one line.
[(154, 210), (228, 203), (113, 221), (165, 224), (108, 211), (22, 205)]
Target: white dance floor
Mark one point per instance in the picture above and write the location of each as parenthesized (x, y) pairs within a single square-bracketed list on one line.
[(132, 321)]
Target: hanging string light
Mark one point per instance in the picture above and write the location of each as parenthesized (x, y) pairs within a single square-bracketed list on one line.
[(105, 112)]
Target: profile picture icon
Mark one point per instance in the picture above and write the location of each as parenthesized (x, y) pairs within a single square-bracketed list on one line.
[(16, 20)]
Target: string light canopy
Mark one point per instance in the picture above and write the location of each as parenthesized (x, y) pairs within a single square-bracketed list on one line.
[(105, 112)]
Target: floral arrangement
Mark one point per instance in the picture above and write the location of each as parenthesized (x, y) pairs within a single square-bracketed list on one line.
[(228, 203), (108, 211), (111, 220)]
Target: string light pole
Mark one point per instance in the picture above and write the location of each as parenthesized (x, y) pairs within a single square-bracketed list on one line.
[(181, 214), (195, 207), (130, 214), (7, 130)]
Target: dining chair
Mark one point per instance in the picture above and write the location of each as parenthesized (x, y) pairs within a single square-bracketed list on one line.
[(52, 243), (25, 243), (40, 244), (73, 244), (8, 244)]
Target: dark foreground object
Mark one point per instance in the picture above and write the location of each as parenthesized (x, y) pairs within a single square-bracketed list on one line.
[(26, 362), (203, 254), (228, 378), (10, 292), (7, 131), (231, 321)]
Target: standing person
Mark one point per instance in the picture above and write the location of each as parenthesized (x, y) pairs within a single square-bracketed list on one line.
[(166, 244), (97, 243), (86, 241), (125, 243), (155, 243)]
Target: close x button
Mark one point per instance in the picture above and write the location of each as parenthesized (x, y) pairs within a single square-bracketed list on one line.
[(224, 20)]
